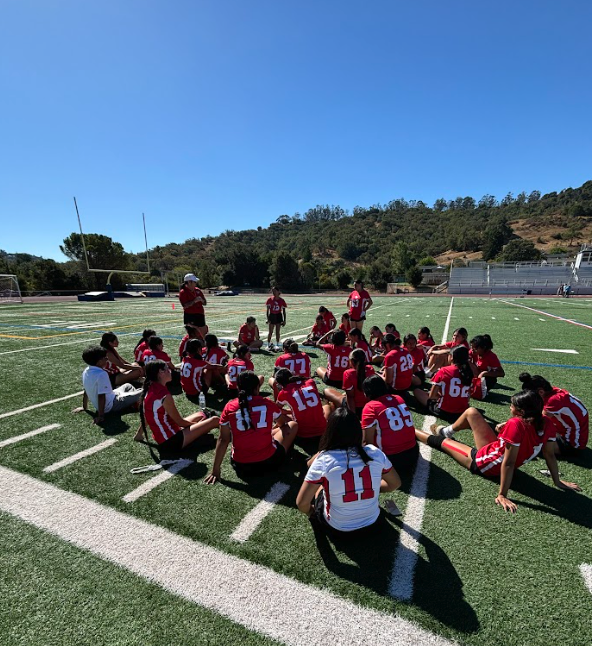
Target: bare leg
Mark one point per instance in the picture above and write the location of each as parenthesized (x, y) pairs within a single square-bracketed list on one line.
[(334, 396), (321, 372), (128, 375), (482, 432), (278, 328), (286, 434), (422, 396), (270, 332), (261, 380), (256, 345), (457, 450), (273, 385), (198, 429)]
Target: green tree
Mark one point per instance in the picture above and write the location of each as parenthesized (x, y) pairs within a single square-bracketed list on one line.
[(379, 275), (103, 252), (342, 279), (426, 261), (496, 235), (519, 251), (284, 272), (402, 258), (414, 276)]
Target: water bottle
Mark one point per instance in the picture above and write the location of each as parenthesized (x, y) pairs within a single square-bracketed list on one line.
[(202, 400)]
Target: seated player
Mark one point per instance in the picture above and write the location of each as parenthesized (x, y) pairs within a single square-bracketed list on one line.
[(391, 328), (97, 388), (357, 340), (337, 359), (119, 370), (485, 363), (388, 424), (218, 360), (297, 362), (276, 316), (397, 369), (303, 399), (425, 339), (156, 352), (192, 332), (319, 329), (142, 345), (240, 362), (517, 441), (249, 335), (571, 418), (260, 432), (439, 355), (353, 378), (195, 376), (170, 430), (419, 358), (376, 336), (350, 476), (345, 325), (330, 320), (451, 389)]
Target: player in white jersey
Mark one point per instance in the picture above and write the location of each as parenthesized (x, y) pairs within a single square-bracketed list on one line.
[(344, 479)]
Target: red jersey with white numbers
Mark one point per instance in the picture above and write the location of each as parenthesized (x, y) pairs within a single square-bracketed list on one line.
[(251, 431), (570, 416), (337, 360), (298, 363), (156, 417), (350, 383), (487, 360), (186, 296), (330, 320), (454, 397), (235, 367), (516, 432), (390, 418), (276, 304), (401, 361), (319, 328), (154, 355), (419, 359), (215, 355), (358, 304), (305, 403), (191, 371), (363, 345), (139, 351), (247, 335)]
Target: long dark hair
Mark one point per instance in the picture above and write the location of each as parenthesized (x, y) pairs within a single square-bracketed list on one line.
[(284, 377), (241, 352), (530, 405), (344, 432), (426, 330), (482, 342), (534, 382), (460, 358), (193, 348), (461, 330), (248, 382), (106, 339), (357, 358), (152, 368), (391, 340), (146, 334), (339, 337), (374, 387), (154, 342), (290, 346), (358, 334), (211, 341)]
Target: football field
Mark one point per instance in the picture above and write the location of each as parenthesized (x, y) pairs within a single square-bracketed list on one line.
[(95, 554)]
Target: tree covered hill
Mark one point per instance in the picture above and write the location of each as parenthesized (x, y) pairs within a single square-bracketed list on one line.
[(327, 246)]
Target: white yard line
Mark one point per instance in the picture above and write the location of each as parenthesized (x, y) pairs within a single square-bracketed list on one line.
[(556, 350), (586, 571), (151, 484), (206, 576), (26, 436), (47, 403), (553, 316), (256, 516), (79, 456), (403, 573)]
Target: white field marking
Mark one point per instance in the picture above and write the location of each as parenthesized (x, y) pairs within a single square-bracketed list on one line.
[(556, 350), (406, 315), (516, 319), (586, 571), (167, 473), (204, 575), (553, 316), (26, 436), (493, 318), (51, 401), (79, 456), (543, 320), (297, 338), (256, 516), (403, 572)]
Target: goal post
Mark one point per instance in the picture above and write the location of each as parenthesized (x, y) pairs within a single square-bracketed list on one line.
[(10, 292)]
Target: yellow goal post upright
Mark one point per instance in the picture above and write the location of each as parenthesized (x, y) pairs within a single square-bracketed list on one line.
[(10, 292)]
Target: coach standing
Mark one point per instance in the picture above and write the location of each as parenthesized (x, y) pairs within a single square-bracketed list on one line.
[(193, 301)]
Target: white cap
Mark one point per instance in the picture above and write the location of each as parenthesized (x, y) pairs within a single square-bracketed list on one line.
[(192, 277)]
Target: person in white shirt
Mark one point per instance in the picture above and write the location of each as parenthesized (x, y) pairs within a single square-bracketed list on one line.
[(342, 485), (97, 387)]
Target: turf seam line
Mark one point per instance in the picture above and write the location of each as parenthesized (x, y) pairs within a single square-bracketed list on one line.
[(258, 514), (167, 473), (240, 590), (26, 436), (79, 456), (47, 403)]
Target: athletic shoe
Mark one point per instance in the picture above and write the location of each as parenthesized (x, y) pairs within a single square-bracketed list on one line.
[(391, 508), (269, 347), (429, 374), (436, 429)]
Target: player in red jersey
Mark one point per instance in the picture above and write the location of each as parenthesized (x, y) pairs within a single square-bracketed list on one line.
[(240, 362), (397, 369), (357, 340), (218, 360), (142, 345), (517, 441), (297, 362), (388, 424), (158, 412), (419, 357), (156, 352), (391, 328), (330, 320), (249, 335), (119, 370), (195, 376), (193, 300), (359, 302), (276, 315), (337, 359), (353, 378), (451, 389), (345, 325), (319, 329), (192, 332), (425, 338), (304, 400), (486, 365), (376, 337), (439, 355), (571, 418), (260, 432)]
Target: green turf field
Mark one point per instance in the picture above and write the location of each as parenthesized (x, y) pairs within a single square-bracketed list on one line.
[(482, 576)]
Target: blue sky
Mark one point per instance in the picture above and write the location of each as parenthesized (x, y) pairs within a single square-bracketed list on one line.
[(213, 115)]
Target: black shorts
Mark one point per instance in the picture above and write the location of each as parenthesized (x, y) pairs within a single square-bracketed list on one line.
[(112, 378), (195, 319), (275, 319), (421, 376), (318, 517), (357, 320), (474, 469), (405, 461), (332, 382), (566, 450), (438, 412), (173, 444), (490, 382), (255, 469)]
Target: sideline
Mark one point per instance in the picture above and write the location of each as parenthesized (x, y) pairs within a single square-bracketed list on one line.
[(258, 514)]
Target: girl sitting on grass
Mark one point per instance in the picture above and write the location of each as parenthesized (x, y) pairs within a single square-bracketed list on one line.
[(119, 370), (439, 355), (353, 379), (142, 345)]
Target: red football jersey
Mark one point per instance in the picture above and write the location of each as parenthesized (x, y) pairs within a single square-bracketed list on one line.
[(152, 355), (488, 360), (451, 344), (235, 367), (111, 368), (251, 444), (570, 416), (305, 402), (247, 335), (186, 296), (366, 348), (216, 355), (392, 421), (345, 327), (298, 363), (157, 419), (318, 329), (419, 359), (139, 351), (516, 432), (350, 382), (275, 304), (426, 343), (337, 360), (330, 320), (191, 371), (358, 305), (183, 345), (401, 361), (455, 395)]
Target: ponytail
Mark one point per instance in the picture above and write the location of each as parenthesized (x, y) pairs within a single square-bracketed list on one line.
[(358, 360), (146, 334), (530, 404), (460, 358), (534, 382), (426, 330), (152, 370), (241, 352), (247, 382)]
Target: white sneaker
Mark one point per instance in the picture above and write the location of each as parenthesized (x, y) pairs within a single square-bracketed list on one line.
[(391, 508)]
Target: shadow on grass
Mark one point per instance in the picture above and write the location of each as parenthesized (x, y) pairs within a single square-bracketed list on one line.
[(498, 398), (114, 425)]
